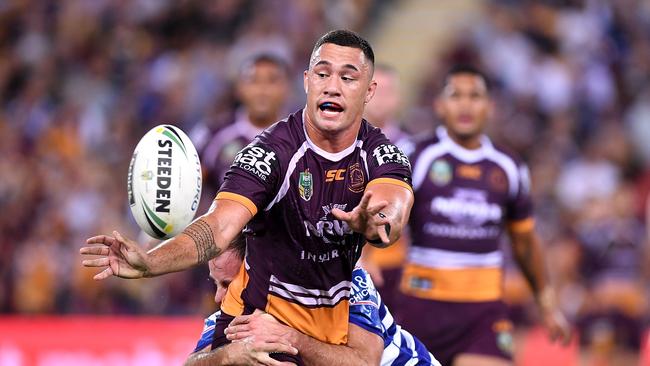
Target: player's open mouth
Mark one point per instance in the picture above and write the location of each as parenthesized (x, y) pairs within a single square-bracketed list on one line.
[(330, 108)]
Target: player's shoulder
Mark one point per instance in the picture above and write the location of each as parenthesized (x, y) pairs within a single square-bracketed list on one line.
[(505, 152), (284, 135), (422, 143)]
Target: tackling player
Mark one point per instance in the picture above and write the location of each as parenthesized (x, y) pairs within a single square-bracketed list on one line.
[(310, 190), (468, 191), (373, 336)]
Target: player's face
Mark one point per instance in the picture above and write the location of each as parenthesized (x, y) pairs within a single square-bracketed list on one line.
[(384, 105), (464, 105), (338, 85), (263, 89), (223, 270)]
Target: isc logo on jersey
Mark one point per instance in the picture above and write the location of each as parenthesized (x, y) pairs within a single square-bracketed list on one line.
[(257, 160), (164, 182), (389, 153)]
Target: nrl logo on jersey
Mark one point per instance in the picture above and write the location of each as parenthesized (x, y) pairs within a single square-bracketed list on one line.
[(328, 208), (306, 185), (389, 153)]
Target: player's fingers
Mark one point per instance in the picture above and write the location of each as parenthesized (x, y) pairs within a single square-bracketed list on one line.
[(383, 235), (108, 272), (242, 319), (101, 239), (99, 262), (365, 200), (98, 250), (122, 240), (342, 215), (278, 347), (377, 207), (236, 336)]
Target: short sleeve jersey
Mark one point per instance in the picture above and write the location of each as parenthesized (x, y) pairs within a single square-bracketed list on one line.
[(299, 258), (463, 201)]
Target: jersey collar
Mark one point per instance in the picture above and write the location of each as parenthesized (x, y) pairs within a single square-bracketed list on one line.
[(325, 154)]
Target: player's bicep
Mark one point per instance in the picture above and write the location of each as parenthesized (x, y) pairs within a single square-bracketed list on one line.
[(368, 345)]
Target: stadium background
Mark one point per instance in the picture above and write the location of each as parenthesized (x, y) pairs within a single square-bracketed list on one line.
[(81, 81)]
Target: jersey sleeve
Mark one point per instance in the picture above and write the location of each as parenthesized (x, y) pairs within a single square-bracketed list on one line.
[(365, 303), (207, 333), (520, 206), (253, 176), (387, 162)]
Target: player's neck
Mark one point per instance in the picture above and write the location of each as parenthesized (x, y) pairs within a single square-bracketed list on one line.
[(467, 142), (261, 122), (331, 142)]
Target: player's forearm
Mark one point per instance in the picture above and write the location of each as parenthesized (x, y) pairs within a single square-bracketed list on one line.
[(222, 356), (528, 255), (198, 243), (317, 353)]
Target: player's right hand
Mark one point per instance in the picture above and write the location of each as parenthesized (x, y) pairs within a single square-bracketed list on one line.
[(123, 257)]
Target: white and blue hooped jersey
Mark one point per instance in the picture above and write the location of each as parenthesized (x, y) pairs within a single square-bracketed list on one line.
[(368, 312)]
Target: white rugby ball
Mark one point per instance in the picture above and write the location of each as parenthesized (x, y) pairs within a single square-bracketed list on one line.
[(164, 182)]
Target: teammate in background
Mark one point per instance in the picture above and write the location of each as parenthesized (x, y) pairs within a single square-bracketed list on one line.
[(311, 190), (467, 192), (262, 87), (385, 265), (382, 110), (265, 334)]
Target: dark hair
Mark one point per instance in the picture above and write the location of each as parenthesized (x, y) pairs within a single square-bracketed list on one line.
[(466, 69), (281, 63), (346, 38), (239, 246)]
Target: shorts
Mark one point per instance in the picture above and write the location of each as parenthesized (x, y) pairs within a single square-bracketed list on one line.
[(612, 327), (220, 339), (449, 329)]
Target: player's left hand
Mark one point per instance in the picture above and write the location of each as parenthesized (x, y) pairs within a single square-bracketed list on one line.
[(553, 319), (367, 219), (260, 326)]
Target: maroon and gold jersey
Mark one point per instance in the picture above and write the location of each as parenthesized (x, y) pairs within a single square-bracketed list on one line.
[(463, 201), (299, 258)]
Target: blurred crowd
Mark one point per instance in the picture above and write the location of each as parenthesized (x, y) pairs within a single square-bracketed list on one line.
[(81, 81)]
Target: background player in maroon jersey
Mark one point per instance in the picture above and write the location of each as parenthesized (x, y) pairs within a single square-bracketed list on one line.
[(468, 191), (262, 89)]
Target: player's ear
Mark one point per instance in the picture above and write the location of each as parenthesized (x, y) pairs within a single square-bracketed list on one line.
[(305, 77), (372, 87)]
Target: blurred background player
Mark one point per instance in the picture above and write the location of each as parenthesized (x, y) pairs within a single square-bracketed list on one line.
[(384, 265), (609, 265), (262, 88), (369, 318), (468, 192)]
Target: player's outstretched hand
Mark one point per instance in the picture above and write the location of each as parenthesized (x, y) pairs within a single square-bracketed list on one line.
[(123, 257), (367, 219)]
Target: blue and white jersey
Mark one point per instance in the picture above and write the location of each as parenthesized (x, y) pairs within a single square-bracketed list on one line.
[(369, 312), (207, 333)]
